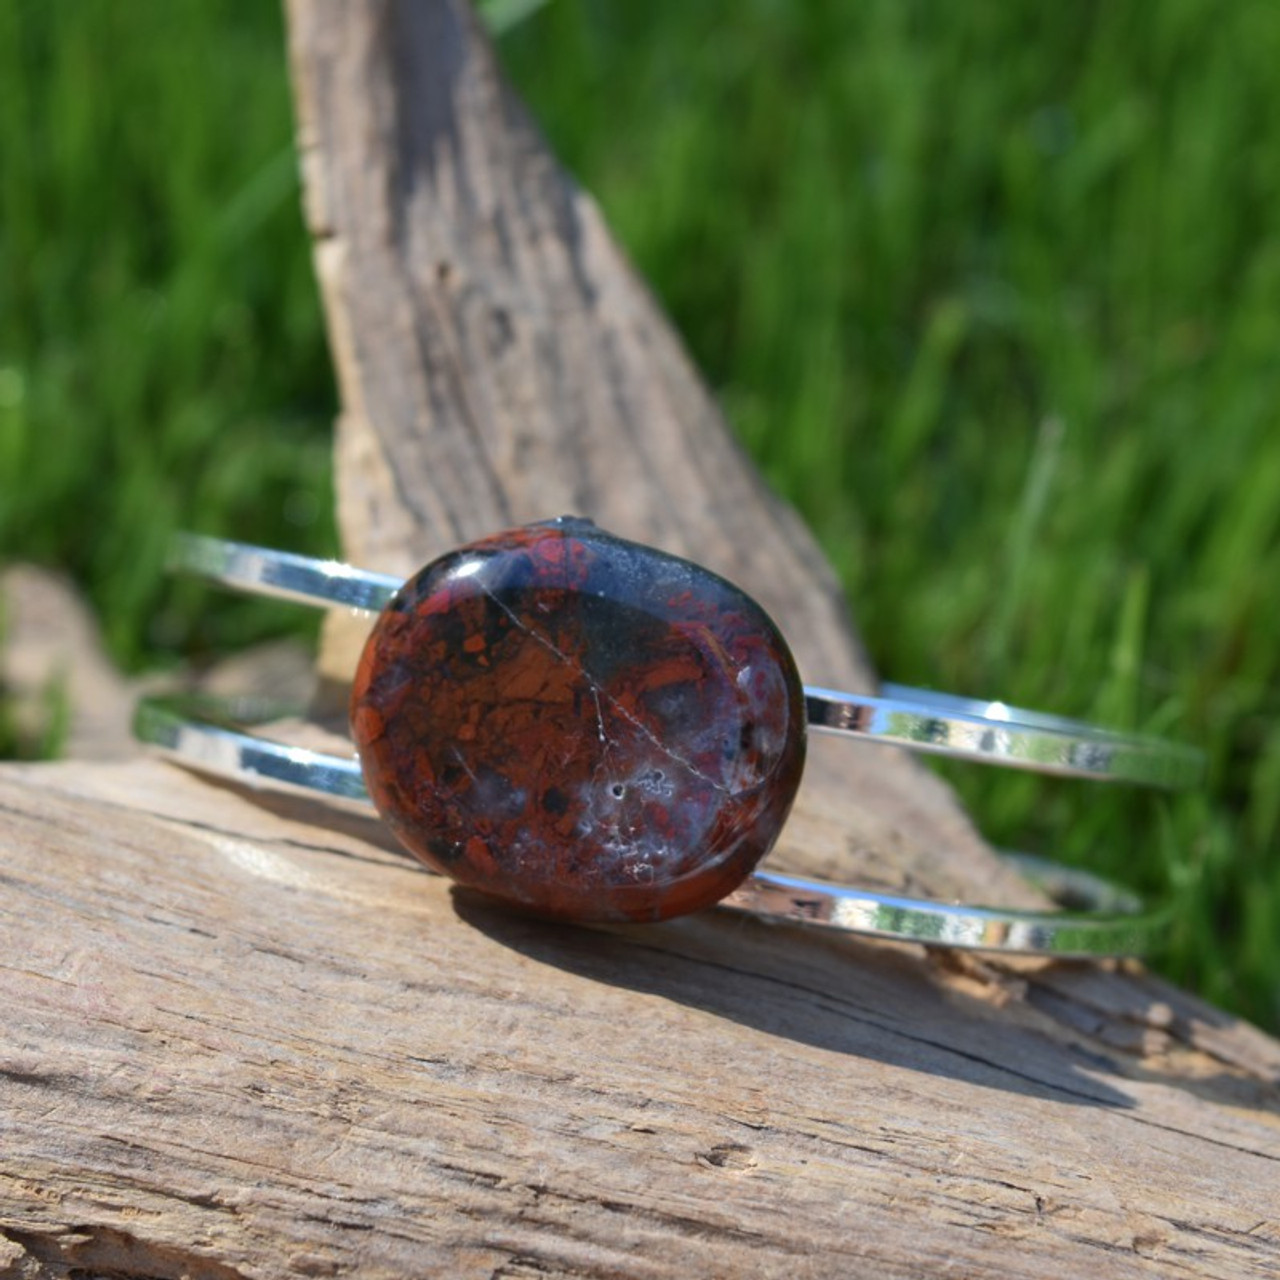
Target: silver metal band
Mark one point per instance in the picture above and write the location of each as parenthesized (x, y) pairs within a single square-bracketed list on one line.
[(919, 719), (1102, 919)]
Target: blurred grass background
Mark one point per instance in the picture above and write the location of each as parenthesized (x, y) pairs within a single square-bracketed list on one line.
[(991, 291)]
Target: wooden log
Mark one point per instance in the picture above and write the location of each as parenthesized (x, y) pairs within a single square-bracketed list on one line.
[(500, 362), (242, 1041), (243, 1036)]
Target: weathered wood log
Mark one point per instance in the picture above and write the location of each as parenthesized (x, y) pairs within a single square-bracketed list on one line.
[(499, 362), (239, 1041), (243, 1036)]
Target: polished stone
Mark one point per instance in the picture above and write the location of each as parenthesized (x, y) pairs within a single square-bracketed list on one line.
[(579, 724)]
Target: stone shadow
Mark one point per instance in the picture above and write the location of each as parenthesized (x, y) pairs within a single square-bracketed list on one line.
[(777, 979)]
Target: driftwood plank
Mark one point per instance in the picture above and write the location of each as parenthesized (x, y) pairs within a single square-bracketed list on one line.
[(242, 1042), (500, 362), (243, 1036)]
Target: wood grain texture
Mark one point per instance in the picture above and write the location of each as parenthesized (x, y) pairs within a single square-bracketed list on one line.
[(242, 1041), (500, 362), (243, 1036)]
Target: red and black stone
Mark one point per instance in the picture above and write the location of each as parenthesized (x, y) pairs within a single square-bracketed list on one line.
[(584, 726)]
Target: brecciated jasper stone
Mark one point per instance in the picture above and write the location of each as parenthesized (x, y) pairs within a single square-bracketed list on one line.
[(579, 724)]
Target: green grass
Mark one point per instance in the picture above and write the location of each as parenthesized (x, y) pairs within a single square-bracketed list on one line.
[(161, 352), (988, 289)]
